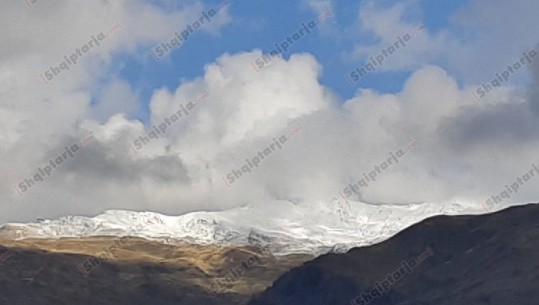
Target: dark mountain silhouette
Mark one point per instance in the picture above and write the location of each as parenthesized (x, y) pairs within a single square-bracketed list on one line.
[(484, 259)]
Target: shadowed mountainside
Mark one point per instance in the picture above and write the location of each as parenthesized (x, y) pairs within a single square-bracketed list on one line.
[(487, 259), (136, 271)]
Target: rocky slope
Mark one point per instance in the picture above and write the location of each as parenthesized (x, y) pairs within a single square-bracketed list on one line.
[(487, 259)]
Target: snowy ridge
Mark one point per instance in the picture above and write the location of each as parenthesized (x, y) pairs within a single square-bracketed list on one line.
[(292, 228)]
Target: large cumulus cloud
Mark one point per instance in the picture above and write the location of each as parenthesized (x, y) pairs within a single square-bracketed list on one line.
[(467, 149)]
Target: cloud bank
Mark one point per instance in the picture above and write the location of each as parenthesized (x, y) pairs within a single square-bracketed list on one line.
[(466, 149)]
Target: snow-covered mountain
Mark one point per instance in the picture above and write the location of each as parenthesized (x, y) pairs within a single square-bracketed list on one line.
[(282, 226)]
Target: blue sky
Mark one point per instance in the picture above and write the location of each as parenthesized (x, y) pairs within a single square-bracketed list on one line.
[(260, 24)]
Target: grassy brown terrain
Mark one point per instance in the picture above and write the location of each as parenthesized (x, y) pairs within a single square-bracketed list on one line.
[(138, 271)]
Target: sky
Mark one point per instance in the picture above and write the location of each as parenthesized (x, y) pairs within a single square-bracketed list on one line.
[(180, 106)]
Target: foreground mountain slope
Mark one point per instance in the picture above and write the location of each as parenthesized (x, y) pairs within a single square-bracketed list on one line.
[(488, 259), (137, 271)]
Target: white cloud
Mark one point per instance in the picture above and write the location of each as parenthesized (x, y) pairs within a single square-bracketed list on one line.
[(318, 6), (467, 149), (38, 120), (388, 27), (482, 38), (245, 109)]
